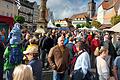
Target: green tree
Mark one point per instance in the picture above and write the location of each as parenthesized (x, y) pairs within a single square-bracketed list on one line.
[(114, 20), (87, 24), (96, 24), (82, 25), (71, 26), (78, 26), (58, 25), (19, 19)]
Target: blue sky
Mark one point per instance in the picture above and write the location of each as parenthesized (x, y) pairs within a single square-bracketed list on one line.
[(66, 8)]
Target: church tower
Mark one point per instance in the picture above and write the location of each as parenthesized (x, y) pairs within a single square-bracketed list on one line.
[(91, 8)]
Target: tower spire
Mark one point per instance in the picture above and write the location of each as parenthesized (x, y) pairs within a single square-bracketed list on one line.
[(91, 8)]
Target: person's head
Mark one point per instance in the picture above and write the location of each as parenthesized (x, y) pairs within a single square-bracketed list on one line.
[(106, 37), (23, 72), (71, 39), (96, 36), (33, 41), (103, 51), (79, 46), (61, 41), (27, 37), (31, 52)]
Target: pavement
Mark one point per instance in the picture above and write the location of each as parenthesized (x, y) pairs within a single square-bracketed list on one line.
[(47, 75)]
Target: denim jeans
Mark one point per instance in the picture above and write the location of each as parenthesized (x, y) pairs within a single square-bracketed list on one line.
[(9, 74), (58, 76)]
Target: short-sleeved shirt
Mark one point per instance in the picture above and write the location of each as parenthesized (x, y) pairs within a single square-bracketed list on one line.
[(117, 64)]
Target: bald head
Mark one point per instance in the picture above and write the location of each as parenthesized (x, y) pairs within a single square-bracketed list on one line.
[(61, 41)]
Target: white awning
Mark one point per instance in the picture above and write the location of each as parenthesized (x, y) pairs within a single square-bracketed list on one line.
[(40, 30)]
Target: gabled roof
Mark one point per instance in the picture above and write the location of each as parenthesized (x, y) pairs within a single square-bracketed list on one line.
[(107, 4), (105, 26), (80, 15)]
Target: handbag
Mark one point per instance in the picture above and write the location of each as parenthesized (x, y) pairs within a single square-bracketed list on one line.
[(77, 74), (89, 76)]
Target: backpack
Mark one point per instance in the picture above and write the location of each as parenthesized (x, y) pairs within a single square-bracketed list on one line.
[(16, 55)]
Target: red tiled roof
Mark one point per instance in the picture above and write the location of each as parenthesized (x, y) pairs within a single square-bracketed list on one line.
[(80, 15), (104, 26), (107, 4), (114, 1)]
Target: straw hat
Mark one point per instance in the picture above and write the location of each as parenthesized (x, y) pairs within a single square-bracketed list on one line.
[(31, 49)]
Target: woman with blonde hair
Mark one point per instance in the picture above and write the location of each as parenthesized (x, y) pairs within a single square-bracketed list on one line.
[(23, 72), (102, 66)]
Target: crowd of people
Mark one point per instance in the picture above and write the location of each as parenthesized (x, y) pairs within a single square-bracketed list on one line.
[(70, 54)]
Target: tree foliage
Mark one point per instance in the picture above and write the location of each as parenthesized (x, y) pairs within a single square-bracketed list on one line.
[(78, 26), (87, 24), (96, 24), (82, 25), (71, 26), (114, 20), (19, 19), (58, 25)]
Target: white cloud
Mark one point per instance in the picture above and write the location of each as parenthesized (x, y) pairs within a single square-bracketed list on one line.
[(31, 0), (66, 8), (35, 0)]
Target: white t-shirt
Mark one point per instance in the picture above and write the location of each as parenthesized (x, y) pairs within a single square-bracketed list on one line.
[(102, 68), (83, 61)]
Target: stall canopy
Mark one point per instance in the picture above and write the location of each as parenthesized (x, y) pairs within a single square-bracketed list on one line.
[(40, 30), (50, 25), (94, 28), (115, 28)]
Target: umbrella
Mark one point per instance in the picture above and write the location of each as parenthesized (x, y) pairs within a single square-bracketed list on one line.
[(93, 28)]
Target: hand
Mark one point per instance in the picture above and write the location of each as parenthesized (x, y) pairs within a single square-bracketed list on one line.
[(54, 67)]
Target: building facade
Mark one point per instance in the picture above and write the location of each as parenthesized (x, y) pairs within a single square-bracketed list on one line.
[(26, 10), (119, 11), (80, 18), (8, 8), (106, 10), (50, 15), (35, 13), (63, 23), (84, 17)]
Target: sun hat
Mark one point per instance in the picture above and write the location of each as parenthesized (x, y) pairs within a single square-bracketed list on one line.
[(33, 48)]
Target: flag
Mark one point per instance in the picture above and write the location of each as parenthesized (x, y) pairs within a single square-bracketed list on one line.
[(18, 3)]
